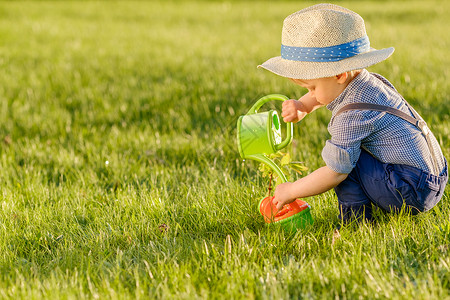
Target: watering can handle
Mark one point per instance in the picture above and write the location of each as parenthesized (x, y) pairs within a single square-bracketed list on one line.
[(289, 128)]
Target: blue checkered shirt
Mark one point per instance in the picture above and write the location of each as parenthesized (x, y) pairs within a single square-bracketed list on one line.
[(388, 138)]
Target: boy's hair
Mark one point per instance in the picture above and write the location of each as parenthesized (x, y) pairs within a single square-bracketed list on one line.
[(353, 73)]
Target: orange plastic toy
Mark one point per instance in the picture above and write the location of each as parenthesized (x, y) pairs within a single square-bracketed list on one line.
[(290, 217)]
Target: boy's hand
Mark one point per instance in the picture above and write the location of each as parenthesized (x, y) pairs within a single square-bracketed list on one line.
[(283, 195), (293, 111)]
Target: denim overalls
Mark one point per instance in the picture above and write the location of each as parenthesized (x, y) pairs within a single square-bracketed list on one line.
[(389, 186)]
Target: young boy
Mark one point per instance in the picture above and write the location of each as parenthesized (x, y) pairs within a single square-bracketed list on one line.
[(381, 152)]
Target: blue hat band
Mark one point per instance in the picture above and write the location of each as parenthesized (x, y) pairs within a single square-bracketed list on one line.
[(325, 54)]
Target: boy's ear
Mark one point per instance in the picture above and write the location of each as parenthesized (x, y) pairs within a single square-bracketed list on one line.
[(342, 78)]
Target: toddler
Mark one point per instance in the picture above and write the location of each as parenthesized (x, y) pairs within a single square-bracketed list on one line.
[(381, 151)]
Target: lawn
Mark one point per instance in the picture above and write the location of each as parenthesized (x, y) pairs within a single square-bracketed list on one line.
[(119, 171)]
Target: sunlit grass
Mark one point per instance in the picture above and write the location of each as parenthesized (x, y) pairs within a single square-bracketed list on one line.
[(119, 172)]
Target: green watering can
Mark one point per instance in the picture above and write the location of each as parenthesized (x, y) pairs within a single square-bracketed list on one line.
[(258, 135)]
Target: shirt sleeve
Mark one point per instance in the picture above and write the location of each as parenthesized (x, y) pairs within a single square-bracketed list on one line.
[(347, 130)]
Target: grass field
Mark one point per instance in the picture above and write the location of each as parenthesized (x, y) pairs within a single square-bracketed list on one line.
[(120, 176)]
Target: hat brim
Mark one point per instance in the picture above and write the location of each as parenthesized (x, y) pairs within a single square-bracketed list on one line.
[(313, 70)]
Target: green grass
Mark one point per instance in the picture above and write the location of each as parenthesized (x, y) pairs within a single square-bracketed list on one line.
[(119, 172)]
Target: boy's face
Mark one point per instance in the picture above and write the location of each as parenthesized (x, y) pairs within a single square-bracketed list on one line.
[(324, 90)]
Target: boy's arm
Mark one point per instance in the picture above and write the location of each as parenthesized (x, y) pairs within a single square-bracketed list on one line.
[(295, 110), (318, 182)]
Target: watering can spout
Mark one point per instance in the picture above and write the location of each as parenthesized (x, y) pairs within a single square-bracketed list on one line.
[(264, 159)]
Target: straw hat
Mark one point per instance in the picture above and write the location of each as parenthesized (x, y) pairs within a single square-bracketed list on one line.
[(324, 40)]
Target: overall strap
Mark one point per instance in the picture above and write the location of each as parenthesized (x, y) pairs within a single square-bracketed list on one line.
[(416, 121)]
